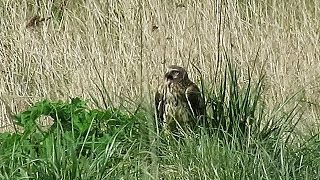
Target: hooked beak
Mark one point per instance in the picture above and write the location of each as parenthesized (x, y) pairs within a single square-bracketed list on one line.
[(168, 78)]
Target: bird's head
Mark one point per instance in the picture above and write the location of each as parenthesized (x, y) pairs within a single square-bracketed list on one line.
[(175, 74)]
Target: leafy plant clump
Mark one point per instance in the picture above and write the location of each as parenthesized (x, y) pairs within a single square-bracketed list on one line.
[(100, 136), (74, 116)]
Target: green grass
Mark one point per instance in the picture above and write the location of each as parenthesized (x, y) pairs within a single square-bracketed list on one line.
[(262, 119), (242, 140)]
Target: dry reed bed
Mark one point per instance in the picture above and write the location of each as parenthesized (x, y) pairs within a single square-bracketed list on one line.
[(130, 43)]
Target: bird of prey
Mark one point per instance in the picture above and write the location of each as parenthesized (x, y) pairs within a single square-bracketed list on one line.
[(178, 102)]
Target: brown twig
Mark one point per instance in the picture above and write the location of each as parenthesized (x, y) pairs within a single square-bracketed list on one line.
[(36, 20)]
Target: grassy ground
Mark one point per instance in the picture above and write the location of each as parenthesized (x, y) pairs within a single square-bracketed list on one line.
[(85, 143), (114, 54)]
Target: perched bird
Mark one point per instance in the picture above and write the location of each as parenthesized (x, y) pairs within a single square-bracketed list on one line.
[(178, 101)]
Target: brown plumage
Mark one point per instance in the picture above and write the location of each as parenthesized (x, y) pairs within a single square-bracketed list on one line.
[(179, 104)]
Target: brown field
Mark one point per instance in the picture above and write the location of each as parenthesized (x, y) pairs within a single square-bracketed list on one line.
[(130, 43)]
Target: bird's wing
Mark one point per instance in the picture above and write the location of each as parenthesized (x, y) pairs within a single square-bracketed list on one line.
[(195, 101), (159, 106)]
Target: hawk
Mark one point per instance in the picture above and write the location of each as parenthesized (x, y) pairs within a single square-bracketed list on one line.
[(178, 101)]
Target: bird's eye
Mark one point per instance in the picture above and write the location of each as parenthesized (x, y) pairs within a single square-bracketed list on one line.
[(175, 72)]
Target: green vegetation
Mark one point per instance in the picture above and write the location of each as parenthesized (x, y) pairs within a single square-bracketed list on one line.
[(80, 144), (256, 61), (242, 140)]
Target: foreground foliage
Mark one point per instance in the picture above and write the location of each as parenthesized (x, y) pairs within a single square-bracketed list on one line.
[(81, 143), (242, 140)]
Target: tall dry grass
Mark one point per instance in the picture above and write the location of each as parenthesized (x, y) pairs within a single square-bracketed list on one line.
[(129, 44)]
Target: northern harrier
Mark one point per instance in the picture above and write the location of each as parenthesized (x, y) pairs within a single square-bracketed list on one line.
[(179, 104)]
